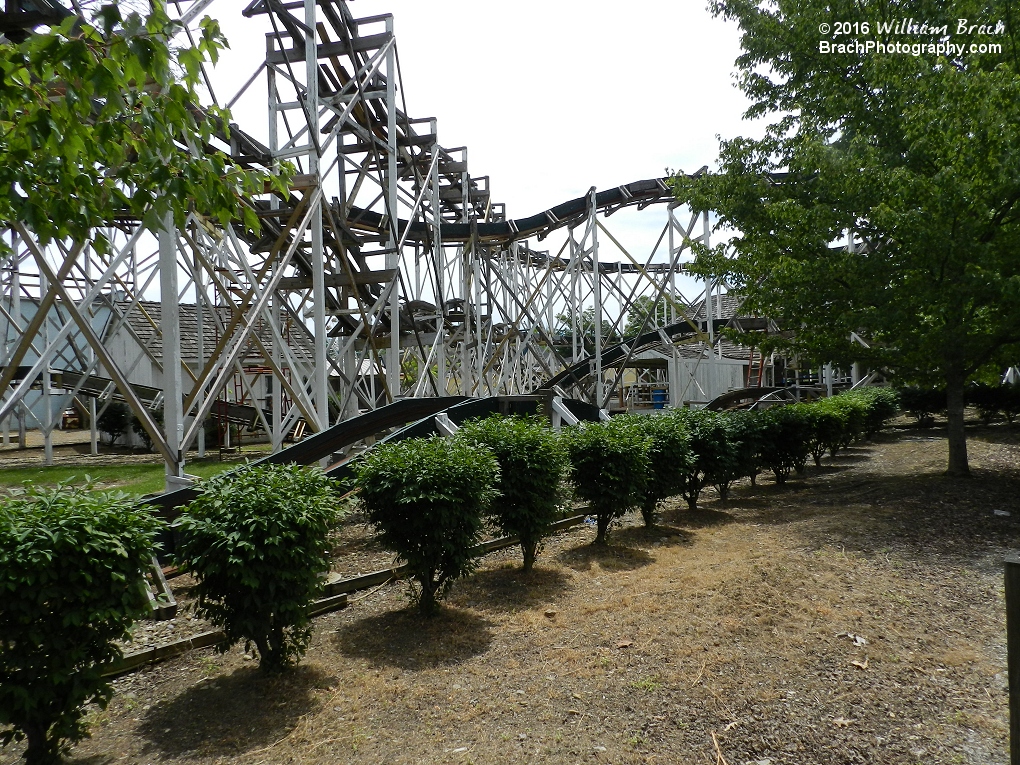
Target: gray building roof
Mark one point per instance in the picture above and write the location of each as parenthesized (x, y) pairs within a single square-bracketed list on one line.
[(145, 319)]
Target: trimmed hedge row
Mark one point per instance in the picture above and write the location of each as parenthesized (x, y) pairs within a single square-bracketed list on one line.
[(991, 401), (257, 542), (511, 472), (71, 585)]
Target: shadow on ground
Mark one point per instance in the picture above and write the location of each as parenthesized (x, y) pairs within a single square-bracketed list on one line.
[(702, 518), (610, 557), (407, 640), (660, 535), (996, 434), (510, 589), (928, 516), (233, 713)]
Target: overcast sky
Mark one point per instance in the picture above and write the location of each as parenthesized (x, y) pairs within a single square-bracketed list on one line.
[(550, 97)]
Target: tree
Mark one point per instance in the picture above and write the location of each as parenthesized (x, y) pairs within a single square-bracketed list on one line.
[(640, 309), (532, 461), (71, 585), (609, 469), (139, 430), (917, 155), (566, 325), (100, 120), (114, 421), (427, 497), (256, 542)]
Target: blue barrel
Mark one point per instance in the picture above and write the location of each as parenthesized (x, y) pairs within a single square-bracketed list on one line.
[(658, 398)]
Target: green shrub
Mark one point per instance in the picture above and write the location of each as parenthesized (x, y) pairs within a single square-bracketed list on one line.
[(855, 410), (426, 497), (883, 405), (70, 585), (532, 461), (992, 400), (1010, 405), (669, 459), (114, 421), (786, 436), (256, 542), (828, 425), (987, 399), (715, 458), (609, 468), (141, 432), (744, 435), (923, 403)]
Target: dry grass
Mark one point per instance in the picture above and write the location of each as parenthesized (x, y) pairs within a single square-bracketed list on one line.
[(852, 617)]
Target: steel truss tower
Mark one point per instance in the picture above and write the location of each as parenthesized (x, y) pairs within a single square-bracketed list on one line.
[(386, 272)]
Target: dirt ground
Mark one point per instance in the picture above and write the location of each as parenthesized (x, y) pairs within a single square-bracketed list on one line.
[(853, 616)]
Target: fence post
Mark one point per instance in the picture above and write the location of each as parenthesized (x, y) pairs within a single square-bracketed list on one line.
[(1012, 564)]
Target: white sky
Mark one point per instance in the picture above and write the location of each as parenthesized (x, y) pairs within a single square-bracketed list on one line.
[(551, 98)]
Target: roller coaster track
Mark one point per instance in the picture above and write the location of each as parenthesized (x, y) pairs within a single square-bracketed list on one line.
[(407, 418), (390, 260)]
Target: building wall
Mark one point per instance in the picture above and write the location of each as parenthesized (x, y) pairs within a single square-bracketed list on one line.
[(698, 381)]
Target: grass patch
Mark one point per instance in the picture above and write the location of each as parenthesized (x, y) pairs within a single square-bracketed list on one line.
[(133, 479)]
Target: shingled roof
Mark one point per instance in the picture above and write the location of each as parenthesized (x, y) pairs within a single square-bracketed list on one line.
[(146, 316)]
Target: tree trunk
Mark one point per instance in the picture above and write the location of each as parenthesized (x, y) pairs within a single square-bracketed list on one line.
[(427, 603), (603, 520), (648, 514), (265, 652), (958, 465), (530, 548), (40, 751)]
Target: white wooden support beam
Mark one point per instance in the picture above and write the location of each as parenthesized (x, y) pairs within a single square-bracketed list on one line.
[(170, 328), (93, 340), (562, 415), (445, 425)]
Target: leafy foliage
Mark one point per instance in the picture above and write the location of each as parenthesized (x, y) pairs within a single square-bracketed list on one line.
[(609, 468), (584, 325), (426, 497), (138, 429), (715, 459), (97, 121), (532, 461), (855, 413), (786, 436), (993, 400), (916, 155), (114, 421), (882, 404), (827, 426), (256, 542), (744, 435), (642, 308), (669, 459), (70, 585), (923, 403)]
